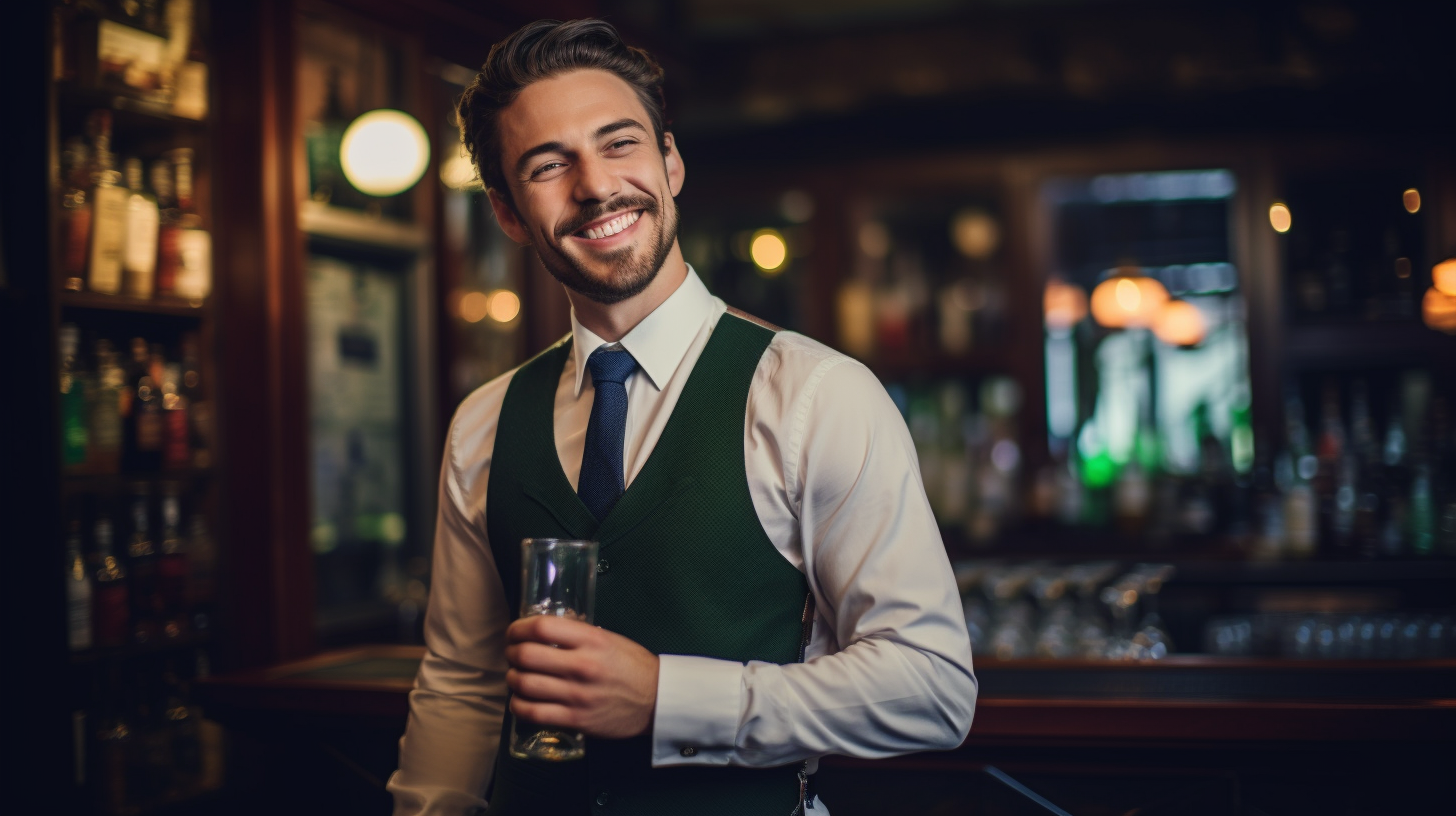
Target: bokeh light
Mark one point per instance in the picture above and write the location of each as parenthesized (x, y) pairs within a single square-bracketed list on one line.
[(1438, 310), (975, 233), (474, 306), (1279, 217), (1412, 200), (1180, 324), (384, 152), (1443, 276), (768, 250), (1128, 299), (504, 305), (1064, 304)]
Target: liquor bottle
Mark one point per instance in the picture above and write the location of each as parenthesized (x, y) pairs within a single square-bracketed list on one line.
[(194, 244), (142, 557), (79, 592), (1301, 503), (142, 448), (172, 567), (108, 212), (113, 606), (199, 408), (75, 435), (202, 562), (139, 259), (168, 258), (1421, 521), (113, 745), (1394, 476), (75, 214), (106, 421), (1369, 474), (1331, 453), (177, 431), (184, 733)]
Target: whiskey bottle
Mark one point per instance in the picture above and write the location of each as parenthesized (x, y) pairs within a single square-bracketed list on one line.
[(194, 244), (75, 214), (79, 591), (108, 212), (142, 449), (172, 567), (202, 578), (199, 408), (106, 421), (142, 557), (168, 259), (112, 604), (177, 431), (139, 260)]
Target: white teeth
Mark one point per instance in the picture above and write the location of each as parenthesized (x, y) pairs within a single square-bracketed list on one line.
[(614, 226)]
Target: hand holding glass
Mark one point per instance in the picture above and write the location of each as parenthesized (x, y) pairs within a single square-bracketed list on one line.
[(558, 578)]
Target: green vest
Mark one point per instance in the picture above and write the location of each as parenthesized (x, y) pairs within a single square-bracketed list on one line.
[(685, 568)]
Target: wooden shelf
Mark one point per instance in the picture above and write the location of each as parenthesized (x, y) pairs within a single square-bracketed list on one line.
[(130, 112), (111, 482), (159, 306), (354, 227)]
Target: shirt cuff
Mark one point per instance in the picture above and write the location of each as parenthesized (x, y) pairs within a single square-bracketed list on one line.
[(698, 704)]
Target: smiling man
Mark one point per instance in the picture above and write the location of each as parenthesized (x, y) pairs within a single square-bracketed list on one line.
[(772, 586)]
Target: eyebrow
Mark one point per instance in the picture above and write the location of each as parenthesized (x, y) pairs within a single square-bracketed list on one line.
[(558, 147)]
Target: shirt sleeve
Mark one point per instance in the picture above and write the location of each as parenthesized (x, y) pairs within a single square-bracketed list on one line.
[(447, 754), (892, 672)]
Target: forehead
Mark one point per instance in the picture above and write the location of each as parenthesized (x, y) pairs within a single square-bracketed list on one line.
[(566, 108)]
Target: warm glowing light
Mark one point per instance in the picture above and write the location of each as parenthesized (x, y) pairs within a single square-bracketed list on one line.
[(975, 233), (504, 305), (384, 152), (1064, 304), (1279, 217), (1438, 310), (1128, 299), (1443, 276), (1412, 200), (768, 250), (459, 173), (474, 306), (1180, 324)]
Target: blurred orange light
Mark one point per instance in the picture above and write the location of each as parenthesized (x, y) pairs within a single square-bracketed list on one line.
[(1443, 276), (1279, 217), (1180, 324), (473, 307), (1438, 310), (1412, 200), (504, 305), (1128, 299), (1064, 304)]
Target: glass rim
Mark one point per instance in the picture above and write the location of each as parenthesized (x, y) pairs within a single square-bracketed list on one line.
[(575, 543)]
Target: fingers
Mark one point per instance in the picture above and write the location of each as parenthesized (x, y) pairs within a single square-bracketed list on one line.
[(553, 714), (552, 630), (544, 688), (538, 657)]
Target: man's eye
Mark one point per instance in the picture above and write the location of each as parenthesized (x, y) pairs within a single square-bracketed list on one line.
[(621, 143), (546, 168)]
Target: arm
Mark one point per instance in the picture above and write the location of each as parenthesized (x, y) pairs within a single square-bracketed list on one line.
[(448, 751), (892, 667)]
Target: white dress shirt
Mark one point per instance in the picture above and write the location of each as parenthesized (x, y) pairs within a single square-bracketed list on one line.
[(835, 483)]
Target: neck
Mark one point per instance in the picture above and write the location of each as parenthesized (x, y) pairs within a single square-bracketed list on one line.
[(612, 321)]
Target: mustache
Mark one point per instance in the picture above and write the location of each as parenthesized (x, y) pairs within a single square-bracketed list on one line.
[(593, 211)]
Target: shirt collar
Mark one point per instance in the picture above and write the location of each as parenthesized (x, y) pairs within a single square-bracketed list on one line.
[(659, 342)]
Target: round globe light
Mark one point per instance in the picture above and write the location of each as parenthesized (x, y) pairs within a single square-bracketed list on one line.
[(1443, 276), (384, 152), (769, 251), (1180, 324), (1128, 299), (1063, 304)]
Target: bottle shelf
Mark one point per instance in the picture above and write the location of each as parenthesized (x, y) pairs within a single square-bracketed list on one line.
[(160, 646), (82, 482), (159, 306), (131, 112)]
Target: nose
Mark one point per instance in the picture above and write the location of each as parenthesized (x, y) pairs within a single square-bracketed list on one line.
[(594, 180)]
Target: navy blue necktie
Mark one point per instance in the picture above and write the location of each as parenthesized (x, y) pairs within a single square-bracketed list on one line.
[(603, 479)]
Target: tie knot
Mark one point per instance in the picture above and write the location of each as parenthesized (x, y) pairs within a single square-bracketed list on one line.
[(610, 365)]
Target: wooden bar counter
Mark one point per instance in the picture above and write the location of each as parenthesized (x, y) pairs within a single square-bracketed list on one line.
[(1188, 734)]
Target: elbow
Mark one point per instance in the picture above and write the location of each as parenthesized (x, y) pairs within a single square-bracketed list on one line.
[(957, 707)]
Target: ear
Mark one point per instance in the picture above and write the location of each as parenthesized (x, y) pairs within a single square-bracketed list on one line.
[(674, 162), (509, 221)]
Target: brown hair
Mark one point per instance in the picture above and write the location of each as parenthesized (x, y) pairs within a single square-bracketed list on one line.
[(542, 50)]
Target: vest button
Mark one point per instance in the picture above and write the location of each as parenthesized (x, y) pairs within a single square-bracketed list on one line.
[(602, 799), (689, 751), (602, 566)]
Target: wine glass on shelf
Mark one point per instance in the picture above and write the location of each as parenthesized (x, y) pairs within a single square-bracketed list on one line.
[(1121, 598), (1089, 628), (1055, 636), (1152, 633), (1012, 635)]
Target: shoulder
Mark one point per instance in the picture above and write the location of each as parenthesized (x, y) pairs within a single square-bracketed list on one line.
[(472, 430), (806, 367)]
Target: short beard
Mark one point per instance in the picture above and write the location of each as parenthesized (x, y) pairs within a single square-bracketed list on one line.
[(630, 274)]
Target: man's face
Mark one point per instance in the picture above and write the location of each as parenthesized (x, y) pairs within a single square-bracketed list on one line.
[(592, 189)]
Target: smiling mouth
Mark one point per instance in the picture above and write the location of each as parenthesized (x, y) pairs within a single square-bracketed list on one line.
[(610, 228)]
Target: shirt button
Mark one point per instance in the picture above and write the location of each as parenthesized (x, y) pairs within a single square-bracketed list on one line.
[(689, 751), (602, 799), (603, 566)]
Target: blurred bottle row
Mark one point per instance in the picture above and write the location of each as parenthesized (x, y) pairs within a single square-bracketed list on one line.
[(138, 571), (1411, 636), (1087, 611), (141, 414), (133, 231), (143, 742), (149, 50)]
